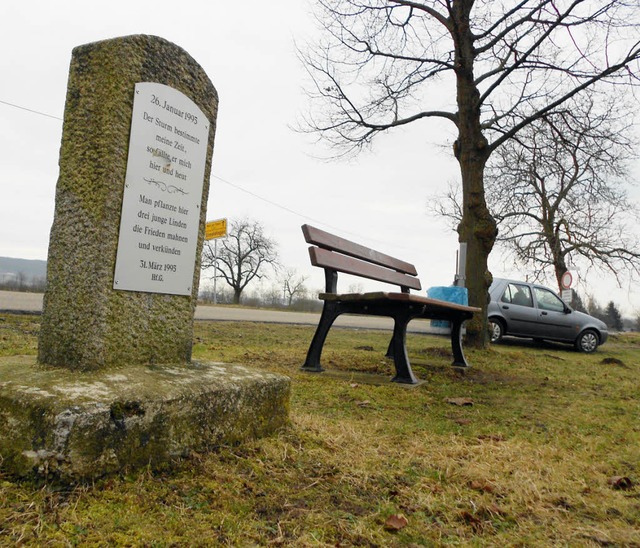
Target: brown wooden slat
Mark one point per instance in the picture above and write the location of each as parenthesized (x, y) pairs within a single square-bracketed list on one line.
[(405, 297), (431, 302), (331, 242), (350, 265)]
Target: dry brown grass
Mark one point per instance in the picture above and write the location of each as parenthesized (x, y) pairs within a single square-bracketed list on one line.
[(527, 463)]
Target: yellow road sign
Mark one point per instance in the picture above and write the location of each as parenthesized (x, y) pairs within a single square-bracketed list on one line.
[(216, 229)]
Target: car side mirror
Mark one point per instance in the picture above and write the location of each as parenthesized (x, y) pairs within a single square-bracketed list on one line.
[(567, 310)]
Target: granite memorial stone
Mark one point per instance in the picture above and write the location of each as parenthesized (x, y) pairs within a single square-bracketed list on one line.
[(114, 386)]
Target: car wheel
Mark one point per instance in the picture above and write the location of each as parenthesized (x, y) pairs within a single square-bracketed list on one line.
[(496, 330), (587, 341)]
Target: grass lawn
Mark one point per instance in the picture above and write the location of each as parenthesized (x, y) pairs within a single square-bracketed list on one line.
[(533, 446)]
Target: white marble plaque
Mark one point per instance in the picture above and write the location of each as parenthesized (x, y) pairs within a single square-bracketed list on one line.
[(163, 191)]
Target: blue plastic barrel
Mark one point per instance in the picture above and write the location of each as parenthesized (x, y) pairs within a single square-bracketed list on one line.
[(452, 294)]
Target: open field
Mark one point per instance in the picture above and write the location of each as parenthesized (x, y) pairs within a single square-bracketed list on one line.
[(534, 446)]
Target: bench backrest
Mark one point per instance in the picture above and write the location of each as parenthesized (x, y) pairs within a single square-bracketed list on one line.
[(336, 254)]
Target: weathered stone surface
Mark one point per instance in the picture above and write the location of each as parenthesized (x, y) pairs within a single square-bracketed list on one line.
[(75, 426), (114, 387), (85, 323)]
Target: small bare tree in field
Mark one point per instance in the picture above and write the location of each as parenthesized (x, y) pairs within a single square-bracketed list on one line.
[(293, 284), (243, 256)]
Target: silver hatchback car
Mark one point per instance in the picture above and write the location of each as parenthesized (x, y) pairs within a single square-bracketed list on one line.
[(522, 309)]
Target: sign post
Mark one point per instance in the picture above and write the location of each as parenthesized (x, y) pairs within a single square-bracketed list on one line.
[(566, 282), (214, 230)]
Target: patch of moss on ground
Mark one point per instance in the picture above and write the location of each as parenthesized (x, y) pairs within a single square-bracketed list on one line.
[(18, 334)]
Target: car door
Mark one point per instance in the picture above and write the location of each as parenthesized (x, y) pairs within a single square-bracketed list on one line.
[(554, 322), (516, 305)]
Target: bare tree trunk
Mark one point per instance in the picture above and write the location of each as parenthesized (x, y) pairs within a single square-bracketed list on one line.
[(559, 263), (477, 228), (236, 295)]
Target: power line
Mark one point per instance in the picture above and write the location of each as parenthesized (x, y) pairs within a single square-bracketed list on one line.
[(285, 208), (280, 206), (308, 218), (238, 187), (30, 110)]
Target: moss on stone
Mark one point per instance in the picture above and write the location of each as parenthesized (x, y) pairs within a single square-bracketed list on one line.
[(75, 426), (103, 398), (86, 324)]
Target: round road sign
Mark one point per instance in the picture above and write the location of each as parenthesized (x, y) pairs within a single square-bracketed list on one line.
[(566, 280)]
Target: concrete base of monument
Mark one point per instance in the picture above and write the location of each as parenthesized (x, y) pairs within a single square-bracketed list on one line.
[(74, 426)]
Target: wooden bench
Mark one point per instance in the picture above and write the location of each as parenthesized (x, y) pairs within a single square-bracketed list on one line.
[(336, 254)]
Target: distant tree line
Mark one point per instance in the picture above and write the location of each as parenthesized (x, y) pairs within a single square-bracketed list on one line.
[(10, 281), (247, 254), (273, 297)]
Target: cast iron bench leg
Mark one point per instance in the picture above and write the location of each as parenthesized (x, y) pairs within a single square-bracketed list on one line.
[(330, 311), (456, 344), (398, 349), (389, 353)]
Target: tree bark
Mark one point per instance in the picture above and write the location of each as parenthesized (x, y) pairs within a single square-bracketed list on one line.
[(478, 227), (559, 263)]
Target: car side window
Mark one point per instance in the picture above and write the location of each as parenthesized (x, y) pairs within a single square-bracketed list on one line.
[(517, 294), (547, 300)]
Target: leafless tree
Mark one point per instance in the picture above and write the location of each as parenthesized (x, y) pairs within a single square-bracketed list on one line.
[(490, 67), (557, 191), (242, 256), (558, 195), (293, 284)]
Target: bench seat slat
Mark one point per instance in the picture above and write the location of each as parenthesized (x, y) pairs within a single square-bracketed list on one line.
[(349, 265), (331, 242), (393, 296)]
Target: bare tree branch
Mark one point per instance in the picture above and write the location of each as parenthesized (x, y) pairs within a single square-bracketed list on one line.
[(558, 193), (493, 68)]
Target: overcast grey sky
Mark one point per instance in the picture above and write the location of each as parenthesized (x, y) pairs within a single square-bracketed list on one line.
[(261, 168)]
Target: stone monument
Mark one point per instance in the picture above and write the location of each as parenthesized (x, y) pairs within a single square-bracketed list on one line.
[(138, 91), (115, 386)]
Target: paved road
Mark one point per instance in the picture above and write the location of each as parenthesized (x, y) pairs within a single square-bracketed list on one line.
[(20, 302), (32, 302)]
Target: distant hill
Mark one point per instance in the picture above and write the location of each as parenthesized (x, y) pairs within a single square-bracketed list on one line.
[(17, 273)]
